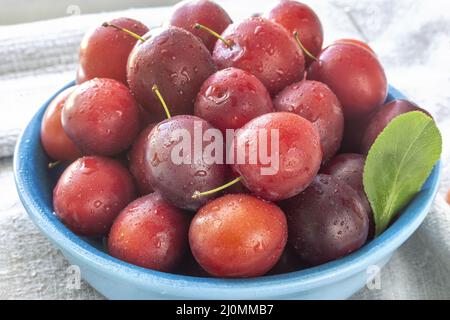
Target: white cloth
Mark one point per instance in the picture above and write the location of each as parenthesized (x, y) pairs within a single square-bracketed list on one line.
[(410, 37)]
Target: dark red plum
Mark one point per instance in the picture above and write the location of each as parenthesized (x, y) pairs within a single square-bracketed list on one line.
[(178, 179), (354, 74), (104, 51), (205, 12), (298, 17), (177, 62), (383, 117), (326, 221), (232, 97), (349, 168), (263, 48)]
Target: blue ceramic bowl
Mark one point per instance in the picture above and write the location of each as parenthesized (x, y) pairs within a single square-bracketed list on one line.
[(116, 279)]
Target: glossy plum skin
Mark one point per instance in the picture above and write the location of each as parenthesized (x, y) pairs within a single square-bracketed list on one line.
[(104, 51), (238, 236), (326, 221), (54, 139), (177, 182), (315, 102), (205, 12), (299, 157), (296, 16), (97, 115), (354, 74), (232, 97), (349, 168), (90, 194), (136, 158), (382, 118), (150, 233), (264, 49), (177, 62)]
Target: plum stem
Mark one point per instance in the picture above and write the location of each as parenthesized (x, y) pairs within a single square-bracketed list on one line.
[(131, 33), (300, 44), (52, 165), (227, 43), (158, 94), (198, 194)]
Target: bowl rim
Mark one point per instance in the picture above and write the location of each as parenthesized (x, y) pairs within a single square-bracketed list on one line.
[(179, 285)]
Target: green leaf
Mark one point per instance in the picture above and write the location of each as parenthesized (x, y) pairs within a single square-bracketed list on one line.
[(398, 164)]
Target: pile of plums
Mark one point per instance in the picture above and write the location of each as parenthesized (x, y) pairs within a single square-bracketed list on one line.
[(201, 71)]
